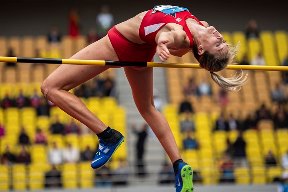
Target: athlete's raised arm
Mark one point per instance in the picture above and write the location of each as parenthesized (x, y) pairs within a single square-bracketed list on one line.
[(174, 40)]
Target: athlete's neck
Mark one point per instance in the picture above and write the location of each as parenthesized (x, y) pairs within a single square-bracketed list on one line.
[(195, 28)]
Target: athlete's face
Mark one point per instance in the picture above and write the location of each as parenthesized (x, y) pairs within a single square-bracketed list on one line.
[(212, 41)]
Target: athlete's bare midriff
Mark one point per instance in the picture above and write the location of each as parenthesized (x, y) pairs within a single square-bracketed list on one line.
[(130, 28)]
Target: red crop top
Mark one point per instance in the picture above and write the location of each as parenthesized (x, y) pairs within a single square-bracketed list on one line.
[(155, 19)]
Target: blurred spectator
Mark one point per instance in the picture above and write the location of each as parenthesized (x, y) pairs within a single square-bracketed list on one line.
[(190, 142), (229, 148), (24, 156), (71, 154), (109, 86), (284, 160), (7, 101), (54, 37), (43, 109), (10, 53), (250, 122), (204, 89), (186, 124), (103, 177), (227, 170), (40, 137), (166, 174), (263, 113), (191, 87), (55, 155), (278, 93), (104, 20), (2, 130), (285, 73), (35, 99), (57, 127), (53, 178), (185, 106), (72, 127), (22, 100), (142, 134), (280, 120), (258, 60), (74, 28), (121, 174), (232, 122), (23, 138), (82, 91), (87, 154), (221, 123), (252, 30), (245, 60), (223, 98), (8, 157), (239, 151), (92, 36), (270, 159)]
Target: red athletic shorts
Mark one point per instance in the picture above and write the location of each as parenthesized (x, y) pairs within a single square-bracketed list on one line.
[(129, 51)]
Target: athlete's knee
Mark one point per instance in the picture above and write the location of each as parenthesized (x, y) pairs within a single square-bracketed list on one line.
[(146, 109), (47, 87)]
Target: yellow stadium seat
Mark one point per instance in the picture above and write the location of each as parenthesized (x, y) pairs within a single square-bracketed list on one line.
[(38, 154), (80, 43), (191, 157), (281, 44), (239, 37), (36, 177), (210, 176), (1, 117), (274, 173), (269, 49), (8, 140), (58, 139), (220, 143), (43, 123), (88, 140), (4, 178), (70, 176), (57, 112), (258, 175), (28, 120), (242, 175), (227, 37), (67, 46), (19, 177), (93, 104), (254, 48), (73, 139), (86, 175)]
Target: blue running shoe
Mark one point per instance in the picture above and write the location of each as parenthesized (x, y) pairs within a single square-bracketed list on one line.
[(105, 152), (184, 178)]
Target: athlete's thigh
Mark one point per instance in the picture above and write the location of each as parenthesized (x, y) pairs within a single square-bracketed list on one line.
[(141, 82), (69, 76)]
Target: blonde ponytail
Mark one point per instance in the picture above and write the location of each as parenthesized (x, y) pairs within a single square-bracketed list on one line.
[(234, 83)]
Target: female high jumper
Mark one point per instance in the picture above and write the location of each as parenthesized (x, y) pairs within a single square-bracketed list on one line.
[(165, 30)]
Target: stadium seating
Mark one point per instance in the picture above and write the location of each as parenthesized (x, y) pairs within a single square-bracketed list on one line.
[(27, 78)]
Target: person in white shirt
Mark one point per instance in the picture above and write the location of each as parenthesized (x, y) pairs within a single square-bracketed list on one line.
[(104, 20), (55, 155), (285, 160), (71, 154), (258, 60)]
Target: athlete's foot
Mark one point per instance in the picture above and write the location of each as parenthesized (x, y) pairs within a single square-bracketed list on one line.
[(184, 178), (106, 150)]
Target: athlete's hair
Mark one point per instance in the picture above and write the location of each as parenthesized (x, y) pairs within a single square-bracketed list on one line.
[(215, 63)]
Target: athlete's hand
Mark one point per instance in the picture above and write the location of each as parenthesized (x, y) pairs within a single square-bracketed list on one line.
[(163, 51)]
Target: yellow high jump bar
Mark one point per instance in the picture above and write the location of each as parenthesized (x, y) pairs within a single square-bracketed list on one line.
[(134, 64)]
